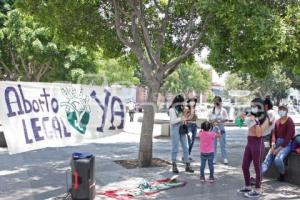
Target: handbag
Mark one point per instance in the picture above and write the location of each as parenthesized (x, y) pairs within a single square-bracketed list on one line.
[(183, 129)]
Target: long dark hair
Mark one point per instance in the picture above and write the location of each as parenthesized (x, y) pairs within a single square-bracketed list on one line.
[(268, 103), (220, 100), (191, 100), (261, 113), (177, 103)]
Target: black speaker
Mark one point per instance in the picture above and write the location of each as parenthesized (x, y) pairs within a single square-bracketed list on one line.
[(83, 176)]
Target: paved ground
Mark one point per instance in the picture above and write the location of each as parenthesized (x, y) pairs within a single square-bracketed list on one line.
[(41, 174)]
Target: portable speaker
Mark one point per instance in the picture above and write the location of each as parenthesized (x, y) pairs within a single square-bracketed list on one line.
[(83, 176)]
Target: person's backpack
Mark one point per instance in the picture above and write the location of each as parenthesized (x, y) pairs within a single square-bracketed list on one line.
[(296, 144)]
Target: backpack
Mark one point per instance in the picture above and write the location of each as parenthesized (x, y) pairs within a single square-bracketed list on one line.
[(296, 144)]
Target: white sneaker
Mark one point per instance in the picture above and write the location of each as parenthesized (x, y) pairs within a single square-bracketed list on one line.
[(225, 161)]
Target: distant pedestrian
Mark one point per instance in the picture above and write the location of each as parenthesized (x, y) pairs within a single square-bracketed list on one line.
[(131, 109), (177, 119), (207, 142), (218, 116)]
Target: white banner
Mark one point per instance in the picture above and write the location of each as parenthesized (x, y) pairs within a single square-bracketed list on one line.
[(40, 115)]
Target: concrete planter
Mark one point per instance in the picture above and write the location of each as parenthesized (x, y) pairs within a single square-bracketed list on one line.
[(292, 169)]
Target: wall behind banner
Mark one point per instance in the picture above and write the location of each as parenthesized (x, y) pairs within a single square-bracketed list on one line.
[(40, 115)]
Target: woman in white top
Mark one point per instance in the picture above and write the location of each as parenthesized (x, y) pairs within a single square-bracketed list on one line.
[(176, 120), (218, 116), (271, 115)]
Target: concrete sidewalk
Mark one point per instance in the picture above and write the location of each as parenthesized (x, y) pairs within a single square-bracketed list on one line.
[(41, 174)]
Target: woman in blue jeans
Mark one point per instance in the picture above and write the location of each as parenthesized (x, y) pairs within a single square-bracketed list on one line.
[(218, 117), (281, 143), (192, 125), (176, 120)]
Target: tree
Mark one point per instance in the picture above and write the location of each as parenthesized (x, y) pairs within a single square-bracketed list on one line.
[(275, 84), (252, 36), (161, 35), (28, 52), (187, 78)]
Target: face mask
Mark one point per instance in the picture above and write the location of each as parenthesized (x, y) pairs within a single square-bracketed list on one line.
[(282, 113), (254, 110), (217, 104), (192, 103)]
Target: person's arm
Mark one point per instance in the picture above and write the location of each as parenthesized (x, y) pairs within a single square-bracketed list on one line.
[(290, 132), (174, 119)]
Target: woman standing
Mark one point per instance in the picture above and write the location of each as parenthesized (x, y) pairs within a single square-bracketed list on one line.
[(218, 116), (192, 125), (257, 123), (271, 115), (176, 120)]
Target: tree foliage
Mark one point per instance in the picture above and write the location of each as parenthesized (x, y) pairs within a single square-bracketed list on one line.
[(187, 78), (29, 51), (251, 36), (275, 84)]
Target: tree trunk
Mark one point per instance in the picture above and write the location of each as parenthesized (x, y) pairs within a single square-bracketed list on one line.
[(145, 149)]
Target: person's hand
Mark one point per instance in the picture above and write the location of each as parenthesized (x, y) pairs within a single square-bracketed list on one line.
[(243, 115), (272, 150), (218, 135)]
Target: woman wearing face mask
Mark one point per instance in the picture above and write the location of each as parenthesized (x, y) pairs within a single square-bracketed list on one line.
[(281, 143), (192, 119), (218, 116), (257, 123), (176, 119)]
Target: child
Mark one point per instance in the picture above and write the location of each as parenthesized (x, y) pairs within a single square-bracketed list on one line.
[(207, 148)]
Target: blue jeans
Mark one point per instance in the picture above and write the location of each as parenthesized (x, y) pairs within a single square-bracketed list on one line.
[(222, 141), (278, 159), (192, 129), (176, 138), (207, 157)]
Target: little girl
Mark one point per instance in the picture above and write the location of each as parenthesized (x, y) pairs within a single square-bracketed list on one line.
[(207, 148)]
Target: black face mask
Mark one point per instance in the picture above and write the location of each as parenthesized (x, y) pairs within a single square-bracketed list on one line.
[(217, 104)]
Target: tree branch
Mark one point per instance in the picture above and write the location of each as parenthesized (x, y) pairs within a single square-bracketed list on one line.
[(123, 39), (43, 70), (146, 37), (158, 6), (190, 28), (24, 67), (13, 59), (5, 67), (162, 31), (171, 65)]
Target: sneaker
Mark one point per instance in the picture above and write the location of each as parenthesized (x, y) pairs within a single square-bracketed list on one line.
[(252, 194), (190, 158), (202, 178), (225, 161), (244, 190), (211, 179)]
